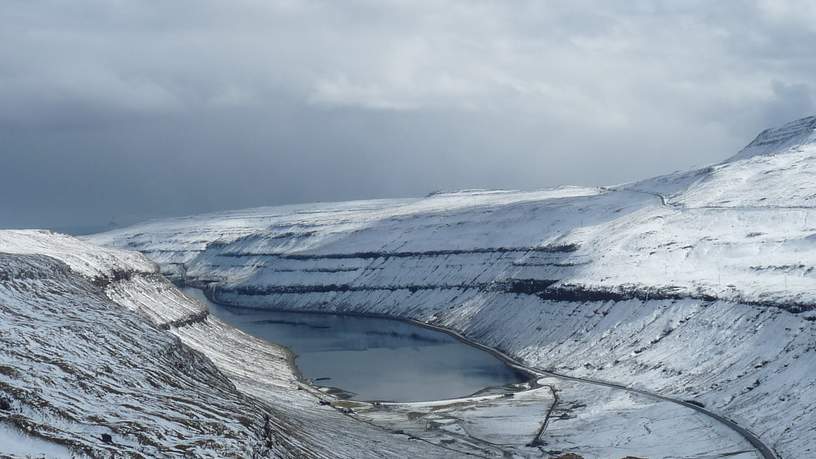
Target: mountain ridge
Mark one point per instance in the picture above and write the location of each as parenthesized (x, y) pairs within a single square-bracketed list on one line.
[(661, 276), (775, 140)]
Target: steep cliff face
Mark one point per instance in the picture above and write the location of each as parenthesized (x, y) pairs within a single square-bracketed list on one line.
[(696, 284), (737, 231), (78, 369), (102, 355), (783, 139)]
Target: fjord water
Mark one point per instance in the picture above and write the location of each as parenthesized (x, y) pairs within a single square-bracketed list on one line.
[(373, 358)]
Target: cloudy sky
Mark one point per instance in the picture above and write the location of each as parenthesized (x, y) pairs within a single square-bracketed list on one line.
[(126, 109)]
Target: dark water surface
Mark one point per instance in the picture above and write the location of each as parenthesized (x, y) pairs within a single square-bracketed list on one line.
[(373, 358)]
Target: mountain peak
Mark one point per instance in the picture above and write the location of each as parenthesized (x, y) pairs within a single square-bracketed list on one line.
[(777, 140)]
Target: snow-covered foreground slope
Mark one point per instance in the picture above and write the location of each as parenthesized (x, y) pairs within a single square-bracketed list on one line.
[(77, 367), (697, 285), (99, 354)]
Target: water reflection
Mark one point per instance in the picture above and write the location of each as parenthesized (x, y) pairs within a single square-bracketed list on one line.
[(373, 358)]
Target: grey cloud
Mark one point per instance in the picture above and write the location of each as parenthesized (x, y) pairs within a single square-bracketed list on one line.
[(132, 109)]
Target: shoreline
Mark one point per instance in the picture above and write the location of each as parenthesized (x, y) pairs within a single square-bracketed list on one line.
[(764, 451), (531, 376)]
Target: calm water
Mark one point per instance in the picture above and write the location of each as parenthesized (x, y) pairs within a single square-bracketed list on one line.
[(371, 358)]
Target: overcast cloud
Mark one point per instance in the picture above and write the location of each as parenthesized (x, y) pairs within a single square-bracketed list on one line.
[(128, 109)]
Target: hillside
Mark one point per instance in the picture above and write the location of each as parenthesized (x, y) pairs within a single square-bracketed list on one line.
[(102, 356), (696, 285)]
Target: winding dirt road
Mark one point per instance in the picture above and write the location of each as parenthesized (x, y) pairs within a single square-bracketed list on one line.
[(765, 451)]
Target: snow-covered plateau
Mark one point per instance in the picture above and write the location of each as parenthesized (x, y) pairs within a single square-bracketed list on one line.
[(691, 293)]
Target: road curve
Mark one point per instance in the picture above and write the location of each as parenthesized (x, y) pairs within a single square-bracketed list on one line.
[(764, 450)]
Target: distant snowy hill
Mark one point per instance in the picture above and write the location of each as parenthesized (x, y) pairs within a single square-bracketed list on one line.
[(696, 285)]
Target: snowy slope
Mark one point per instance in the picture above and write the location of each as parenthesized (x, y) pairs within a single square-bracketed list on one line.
[(95, 343), (696, 284), (742, 230), (781, 139), (76, 367)]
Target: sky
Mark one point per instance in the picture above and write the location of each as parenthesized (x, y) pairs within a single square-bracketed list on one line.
[(114, 111)]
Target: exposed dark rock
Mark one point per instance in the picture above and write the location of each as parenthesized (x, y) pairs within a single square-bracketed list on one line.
[(563, 248), (5, 404), (189, 320), (526, 286)]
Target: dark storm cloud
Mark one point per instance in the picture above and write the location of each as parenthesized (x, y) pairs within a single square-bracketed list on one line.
[(129, 109)]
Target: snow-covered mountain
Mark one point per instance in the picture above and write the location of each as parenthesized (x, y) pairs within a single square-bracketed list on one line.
[(696, 285), (100, 356)]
